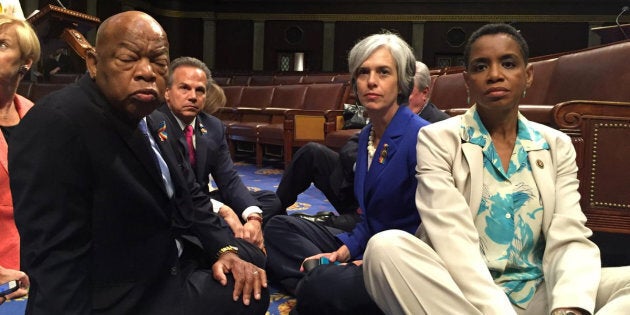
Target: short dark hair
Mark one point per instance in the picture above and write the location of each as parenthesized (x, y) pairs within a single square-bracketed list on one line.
[(492, 29), (191, 62)]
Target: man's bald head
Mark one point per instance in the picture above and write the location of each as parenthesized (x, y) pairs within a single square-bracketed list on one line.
[(125, 21), (130, 62)]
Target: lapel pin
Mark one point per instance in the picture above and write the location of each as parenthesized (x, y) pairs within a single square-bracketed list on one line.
[(202, 129), (162, 131), (540, 164), (383, 155)]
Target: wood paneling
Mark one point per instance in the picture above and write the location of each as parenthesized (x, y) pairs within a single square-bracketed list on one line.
[(234, 45), (349, 33), (185, 36), (277, 40)]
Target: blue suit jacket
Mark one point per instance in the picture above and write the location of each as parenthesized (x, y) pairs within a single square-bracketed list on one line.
[(213, 157), (386, 193)]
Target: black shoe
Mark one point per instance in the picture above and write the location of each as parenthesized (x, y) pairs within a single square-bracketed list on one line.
[(323, 217)]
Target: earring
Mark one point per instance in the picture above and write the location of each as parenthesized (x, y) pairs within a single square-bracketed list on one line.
[(524, 93), (468, 97), (23, 69)]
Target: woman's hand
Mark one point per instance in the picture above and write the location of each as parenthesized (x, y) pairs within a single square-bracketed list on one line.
[(341, 255)]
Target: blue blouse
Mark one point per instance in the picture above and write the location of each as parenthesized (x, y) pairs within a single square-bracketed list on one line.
[(509, 220)]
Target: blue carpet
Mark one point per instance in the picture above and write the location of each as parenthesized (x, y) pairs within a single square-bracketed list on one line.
[(267, 178)]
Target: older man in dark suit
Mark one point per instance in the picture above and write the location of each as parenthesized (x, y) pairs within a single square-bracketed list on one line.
[(104, 205), (201, 138)]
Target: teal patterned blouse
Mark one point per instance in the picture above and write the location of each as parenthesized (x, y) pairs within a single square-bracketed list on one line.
[(509, 220)]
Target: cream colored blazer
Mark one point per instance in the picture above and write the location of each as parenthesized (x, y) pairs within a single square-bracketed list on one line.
[(450, 174)]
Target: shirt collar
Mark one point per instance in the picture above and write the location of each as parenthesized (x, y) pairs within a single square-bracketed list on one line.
[(473, 131), (181, 124)]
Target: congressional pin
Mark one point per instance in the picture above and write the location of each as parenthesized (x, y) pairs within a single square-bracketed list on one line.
[(381, 159), (540, 163)]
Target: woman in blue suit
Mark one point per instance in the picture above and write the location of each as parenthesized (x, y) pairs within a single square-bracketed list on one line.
[(383, 67)]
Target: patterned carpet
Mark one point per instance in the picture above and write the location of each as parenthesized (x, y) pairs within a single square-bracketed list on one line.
[(311, 201), (266, 178)]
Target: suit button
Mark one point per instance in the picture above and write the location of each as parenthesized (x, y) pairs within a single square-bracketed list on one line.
[(174, 271), (507, 215)]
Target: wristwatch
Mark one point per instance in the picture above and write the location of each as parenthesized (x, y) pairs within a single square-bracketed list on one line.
[(564, 312)]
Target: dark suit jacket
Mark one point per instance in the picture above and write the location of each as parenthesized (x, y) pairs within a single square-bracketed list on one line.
[(432, 114), (213, 157), (97, 227)]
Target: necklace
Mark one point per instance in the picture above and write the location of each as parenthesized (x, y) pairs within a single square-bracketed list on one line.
[(370, 146)]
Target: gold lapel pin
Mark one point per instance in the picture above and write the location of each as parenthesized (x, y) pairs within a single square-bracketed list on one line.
[(383, 153)]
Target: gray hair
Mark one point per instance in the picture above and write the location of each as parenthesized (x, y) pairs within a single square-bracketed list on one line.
[(422, 79), (191, 62), (400, 50)]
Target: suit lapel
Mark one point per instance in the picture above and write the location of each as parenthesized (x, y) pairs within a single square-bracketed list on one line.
[(361, 167), (387, 147), (201, 149), (474, 157), (544, 175), (138, 144)]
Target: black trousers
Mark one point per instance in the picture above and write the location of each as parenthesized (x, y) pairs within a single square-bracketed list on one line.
[(315, 163), (200, 293), (327, 289)]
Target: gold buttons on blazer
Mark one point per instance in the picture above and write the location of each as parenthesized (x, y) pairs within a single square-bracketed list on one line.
[(540, 163)]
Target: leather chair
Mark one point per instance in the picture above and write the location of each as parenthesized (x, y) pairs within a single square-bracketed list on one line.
[(318, 78), (261, 79), (285, 97), (233, 95), (287, 79), (309, 123), (243, 134), (449, 91)]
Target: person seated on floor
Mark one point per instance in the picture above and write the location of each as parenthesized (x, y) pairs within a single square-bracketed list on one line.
[(215, 99), (20, 50), (105, 207), (201, 137), (56, 63), (502, 230), (333, 173), (383, 68)]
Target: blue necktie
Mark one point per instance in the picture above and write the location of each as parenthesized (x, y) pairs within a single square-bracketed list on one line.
[(166, 175)]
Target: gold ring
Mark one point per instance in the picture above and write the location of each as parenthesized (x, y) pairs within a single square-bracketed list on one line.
[(255, 272)]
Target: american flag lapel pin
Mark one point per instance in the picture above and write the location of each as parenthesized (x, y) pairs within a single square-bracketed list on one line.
[(203, 129), (162, 131)]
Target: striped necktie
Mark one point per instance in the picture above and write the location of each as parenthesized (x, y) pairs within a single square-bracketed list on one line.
[(164, 172)]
